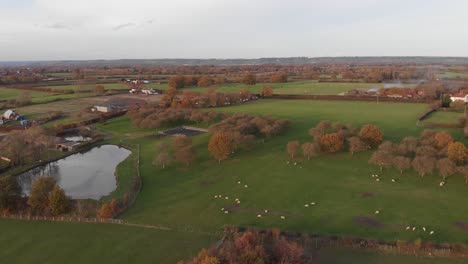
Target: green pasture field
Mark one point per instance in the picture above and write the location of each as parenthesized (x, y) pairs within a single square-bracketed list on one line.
[(8, 93), (340, 185), (444, 117), (453, 75), (299, 87)]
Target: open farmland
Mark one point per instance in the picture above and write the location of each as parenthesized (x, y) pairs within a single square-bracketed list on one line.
[(299, 87), (8, 94), (337, 183)]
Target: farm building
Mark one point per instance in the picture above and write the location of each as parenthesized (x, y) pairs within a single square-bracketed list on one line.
[(104, 108), (11, 115), (68, 146), (458, 97)]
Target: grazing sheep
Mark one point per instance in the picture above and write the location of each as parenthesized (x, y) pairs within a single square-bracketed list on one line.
[(259, 215), (414, 228), (216, 196), (266, 211), (282, 217), (246, 186), (377, 179), (238, 182), (227, 198), (393, 180), (287, 162), (431, 233), (306, 205), (222, 209), (424, 229), (226, 212), (408, 228), (295, 163), (238, 202), (377, 212), (441, 184), (312, 203)]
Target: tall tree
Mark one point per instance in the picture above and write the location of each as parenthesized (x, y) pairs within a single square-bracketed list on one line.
[(58, 201), (221, 145), (371, 134), (292, 148), (309, 150), (331, 143), (446, 167), (10, 192), (401, 163), (356, 145), (40, 192), (457, 152), (424, 165)]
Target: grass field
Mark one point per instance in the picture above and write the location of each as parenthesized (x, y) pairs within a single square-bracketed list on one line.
[(453, 75), (336, 182), (77, 87), (444, 117), (300, 87), (8, 94), (182, 198), (45, 242)]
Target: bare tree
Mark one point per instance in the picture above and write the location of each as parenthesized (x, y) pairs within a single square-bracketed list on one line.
[(401, 163), (446, 167), (424, 165)]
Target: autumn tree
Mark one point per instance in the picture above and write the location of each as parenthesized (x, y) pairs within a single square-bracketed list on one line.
[(204, 81), (457, 152), (331, 143), (58, 201), (381, 159), (177, 82), (267, 91), (249, 79), (204, 257), (463, 170), (292, 148), (40, 192), (99, 89), (371, 135), (320, 129), (280, 77), (356, 145), (183, 149), (169, 96), (108, 210), (401, 163), (287, 251), (220, 145), (424, 165), (309, 150), (443, 139), (162, 159), (10, 192), (446, 167)]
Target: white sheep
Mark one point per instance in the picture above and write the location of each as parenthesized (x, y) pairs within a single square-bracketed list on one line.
[(441, 184), (408, 228), (238, 202), (266, 211), (222, 209), (414, 228), (227, 198), (306, 205), (216, 196), (246, 186), (377, 212), (377, 179), (238, 182), (431, 233), (226, 212), (312, 203), (393, 180), (259, 215), (282, 217)]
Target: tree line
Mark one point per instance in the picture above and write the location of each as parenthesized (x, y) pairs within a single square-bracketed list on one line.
[(331, 137), (432, 152)]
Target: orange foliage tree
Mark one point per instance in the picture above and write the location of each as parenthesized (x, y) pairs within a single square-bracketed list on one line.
[(371, 134), (220, 145), (457, 152), (331, 143), (108, 209)]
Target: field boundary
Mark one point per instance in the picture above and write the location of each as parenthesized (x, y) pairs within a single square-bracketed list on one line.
[(348, 98)]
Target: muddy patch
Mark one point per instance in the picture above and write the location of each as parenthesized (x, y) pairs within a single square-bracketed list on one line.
[(462, 225), (367, 221), (367, 195)]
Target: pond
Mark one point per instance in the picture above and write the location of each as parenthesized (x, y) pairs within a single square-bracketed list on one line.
[(87, 175)]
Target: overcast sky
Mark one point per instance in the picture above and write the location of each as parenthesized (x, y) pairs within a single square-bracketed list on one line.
[(145, 29)]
